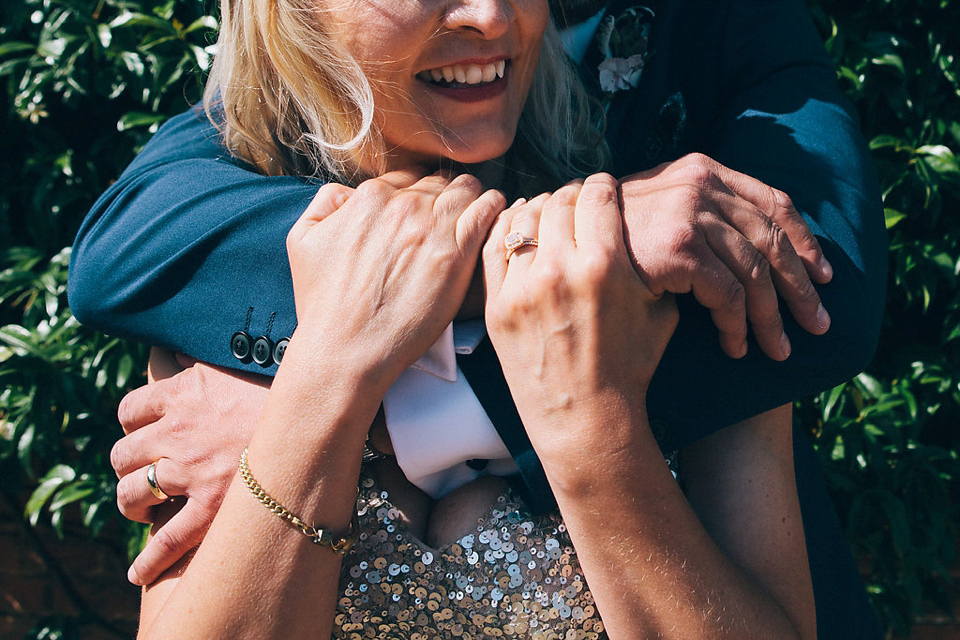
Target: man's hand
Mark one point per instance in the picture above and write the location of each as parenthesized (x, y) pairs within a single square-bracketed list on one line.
[(696, 226), (193, 420)]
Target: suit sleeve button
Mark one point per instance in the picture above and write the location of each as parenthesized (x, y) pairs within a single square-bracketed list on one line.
[(240, 345), (262, 350), (279, 349)]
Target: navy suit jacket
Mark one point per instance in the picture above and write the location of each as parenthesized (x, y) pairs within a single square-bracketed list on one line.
[(186, 249)]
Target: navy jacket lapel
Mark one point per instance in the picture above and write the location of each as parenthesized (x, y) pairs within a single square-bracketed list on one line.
[(483, 372)]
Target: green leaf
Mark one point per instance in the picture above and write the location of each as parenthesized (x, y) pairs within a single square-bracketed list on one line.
[(124, 370), (885, 141), (892, 217), (940, 158), (7, 48), (831, 400), (203, 22), (52, 48), (870, 385), (131, 19), (56, 477), (135, 119), (71, 493), (891, 60)]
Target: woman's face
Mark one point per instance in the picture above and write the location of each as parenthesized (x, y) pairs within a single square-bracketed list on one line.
[(450, 77)]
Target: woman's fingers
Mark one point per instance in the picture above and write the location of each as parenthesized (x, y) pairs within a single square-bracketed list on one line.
[(476, 221), (494, 252), (403, 178), (523, 237), (597, 218), (330, 197), (556, 232)]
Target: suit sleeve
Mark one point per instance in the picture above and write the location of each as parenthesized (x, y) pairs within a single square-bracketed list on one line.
[(187, 249), (779, 117)]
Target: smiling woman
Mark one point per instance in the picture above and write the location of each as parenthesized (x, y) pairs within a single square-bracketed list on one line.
[(421, 117), (385, 85)]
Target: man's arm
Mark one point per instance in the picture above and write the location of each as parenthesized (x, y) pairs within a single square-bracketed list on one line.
[(188, 247), (765, 103)]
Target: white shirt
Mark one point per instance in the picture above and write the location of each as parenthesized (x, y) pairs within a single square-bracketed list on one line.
[(436, 422)]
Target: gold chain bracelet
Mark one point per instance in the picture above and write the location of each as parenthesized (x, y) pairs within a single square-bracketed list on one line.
[(322, 537)]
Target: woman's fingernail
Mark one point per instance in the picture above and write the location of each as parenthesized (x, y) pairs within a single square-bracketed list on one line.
[(785, 345), (519, 202), (823, 318), (826, 268), (133, 577)]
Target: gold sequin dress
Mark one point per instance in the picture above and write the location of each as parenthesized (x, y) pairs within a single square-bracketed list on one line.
[(515, 576)]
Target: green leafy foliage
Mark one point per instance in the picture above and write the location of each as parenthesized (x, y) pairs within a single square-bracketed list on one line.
[(85, 82), (889, 438)]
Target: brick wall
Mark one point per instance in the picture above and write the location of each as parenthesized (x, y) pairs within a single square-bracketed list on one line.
[(76, 578)]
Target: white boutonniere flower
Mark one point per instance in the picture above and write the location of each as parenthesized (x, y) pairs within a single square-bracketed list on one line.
[(624, 41)]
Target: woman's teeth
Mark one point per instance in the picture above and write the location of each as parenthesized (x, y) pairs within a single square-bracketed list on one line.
[(468, 74)]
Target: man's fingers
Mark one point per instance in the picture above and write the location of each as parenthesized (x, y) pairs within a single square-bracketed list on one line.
[(142, 406), (135, 499), (771, 259), (778, 207), (717, 289), (752, 271), (801, 237), (169, 542), (695, 268)]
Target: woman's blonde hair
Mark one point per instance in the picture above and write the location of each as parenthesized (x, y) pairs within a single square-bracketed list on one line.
[(290, 101)]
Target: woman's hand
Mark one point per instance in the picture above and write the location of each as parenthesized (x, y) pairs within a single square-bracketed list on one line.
[(194, 420), (380, 271), (573, 324), (696, 226), (579, 336)]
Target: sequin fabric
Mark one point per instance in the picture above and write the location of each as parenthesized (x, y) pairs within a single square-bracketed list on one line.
[(515, 576)]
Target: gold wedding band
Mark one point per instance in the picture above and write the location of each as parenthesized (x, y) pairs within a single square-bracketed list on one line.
[(514, 240), (152, 481)]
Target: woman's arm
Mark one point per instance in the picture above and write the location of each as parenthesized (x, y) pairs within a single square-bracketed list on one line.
[(579, 336), (728, 559), (411, 244)]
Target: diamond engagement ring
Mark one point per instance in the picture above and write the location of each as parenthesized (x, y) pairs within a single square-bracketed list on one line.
[(514, 240)]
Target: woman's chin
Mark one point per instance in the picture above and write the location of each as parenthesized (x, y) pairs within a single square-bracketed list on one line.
[(463, 153), (478, 154)]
